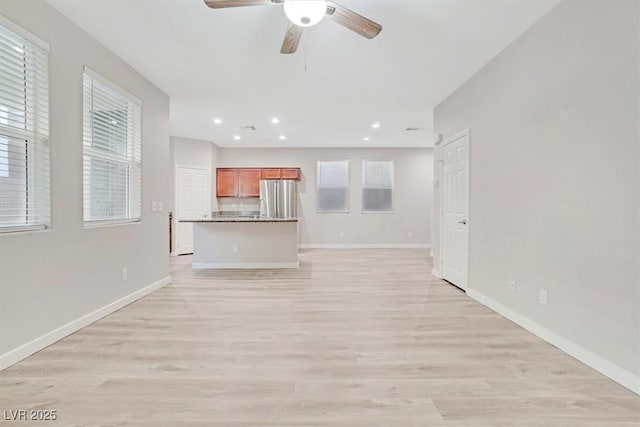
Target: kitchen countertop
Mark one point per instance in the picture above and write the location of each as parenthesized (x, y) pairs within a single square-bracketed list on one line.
[(240, 219)]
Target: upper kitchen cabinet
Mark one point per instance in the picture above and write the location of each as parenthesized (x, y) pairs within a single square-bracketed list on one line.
[(227, 181), (245, 182), (290, 173), (271, 173), (249, 182)]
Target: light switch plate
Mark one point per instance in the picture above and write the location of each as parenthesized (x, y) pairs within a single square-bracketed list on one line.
[(543, 296)]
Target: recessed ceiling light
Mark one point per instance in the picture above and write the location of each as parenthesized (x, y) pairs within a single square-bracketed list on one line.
[(376, 125), (366, 138), (237, 137), (275, 120), (217, 121), (283, 137)]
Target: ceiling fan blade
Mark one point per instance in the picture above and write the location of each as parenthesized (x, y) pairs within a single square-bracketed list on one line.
[(220, 4), (291, 39), (353, 21)]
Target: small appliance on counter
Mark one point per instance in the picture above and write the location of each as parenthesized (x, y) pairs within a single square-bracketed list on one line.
[(278, 198)]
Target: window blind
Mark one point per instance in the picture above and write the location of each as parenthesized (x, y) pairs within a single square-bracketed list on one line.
[(377, 186), (333, 186), (112, 153), (24, 130)]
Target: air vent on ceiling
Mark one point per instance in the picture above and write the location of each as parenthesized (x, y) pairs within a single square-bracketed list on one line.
[(248, 127), (414, 129)]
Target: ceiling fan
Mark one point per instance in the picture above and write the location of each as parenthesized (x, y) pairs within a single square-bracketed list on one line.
[(306, 13)]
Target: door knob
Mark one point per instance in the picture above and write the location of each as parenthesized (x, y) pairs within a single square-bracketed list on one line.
[(463, 222)]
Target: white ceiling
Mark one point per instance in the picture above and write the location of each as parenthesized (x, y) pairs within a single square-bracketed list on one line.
[(226, 63)]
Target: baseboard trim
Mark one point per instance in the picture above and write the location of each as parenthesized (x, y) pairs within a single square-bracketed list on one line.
[(436, 273), (599, 363), (368, 246), (243, 265), (14, 356)]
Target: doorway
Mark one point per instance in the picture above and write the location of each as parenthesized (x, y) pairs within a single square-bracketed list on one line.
[(455, 210), (193, 201)]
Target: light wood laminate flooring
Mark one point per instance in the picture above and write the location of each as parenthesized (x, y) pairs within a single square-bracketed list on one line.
[(353, 338)]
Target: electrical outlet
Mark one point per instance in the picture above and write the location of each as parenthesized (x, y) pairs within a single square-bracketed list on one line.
[(410, 235), (235, 249), (154, 206), (124, 275), (512, 285), (160, 206), (543, 297)]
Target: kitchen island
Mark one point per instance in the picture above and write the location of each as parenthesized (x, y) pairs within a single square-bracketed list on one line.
[(245, 242)]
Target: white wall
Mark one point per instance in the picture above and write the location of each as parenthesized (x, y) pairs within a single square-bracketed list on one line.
[(555, 176), (638, 121), (413, 194), (53, 277)]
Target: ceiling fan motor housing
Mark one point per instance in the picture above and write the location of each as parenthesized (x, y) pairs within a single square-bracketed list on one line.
[(305, 13)]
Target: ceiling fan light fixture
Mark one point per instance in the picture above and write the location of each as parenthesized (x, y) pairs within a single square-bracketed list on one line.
[(305, 13)]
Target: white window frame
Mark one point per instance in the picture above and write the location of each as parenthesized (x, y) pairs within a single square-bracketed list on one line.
[(393, 185), (35, 134), (133, 158), (346, 210)]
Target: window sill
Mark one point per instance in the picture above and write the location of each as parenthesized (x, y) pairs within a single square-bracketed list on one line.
[(333, 212), (378, 212), (13, 231), (103, 224)]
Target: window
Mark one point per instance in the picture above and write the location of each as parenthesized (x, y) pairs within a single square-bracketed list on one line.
[(377, 186), (333, 186), (112, 158), (4, 157), (24, 130)]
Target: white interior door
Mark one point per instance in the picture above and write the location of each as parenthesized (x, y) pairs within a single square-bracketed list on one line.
[(455, 202), (192, 202)]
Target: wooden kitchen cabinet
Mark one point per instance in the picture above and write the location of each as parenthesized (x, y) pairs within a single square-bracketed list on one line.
[(227, 182), (249, 182), (271, 173), (245, 182), (290, 173)]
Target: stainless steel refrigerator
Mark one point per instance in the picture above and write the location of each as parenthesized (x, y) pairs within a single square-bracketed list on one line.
[(278, 198)]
